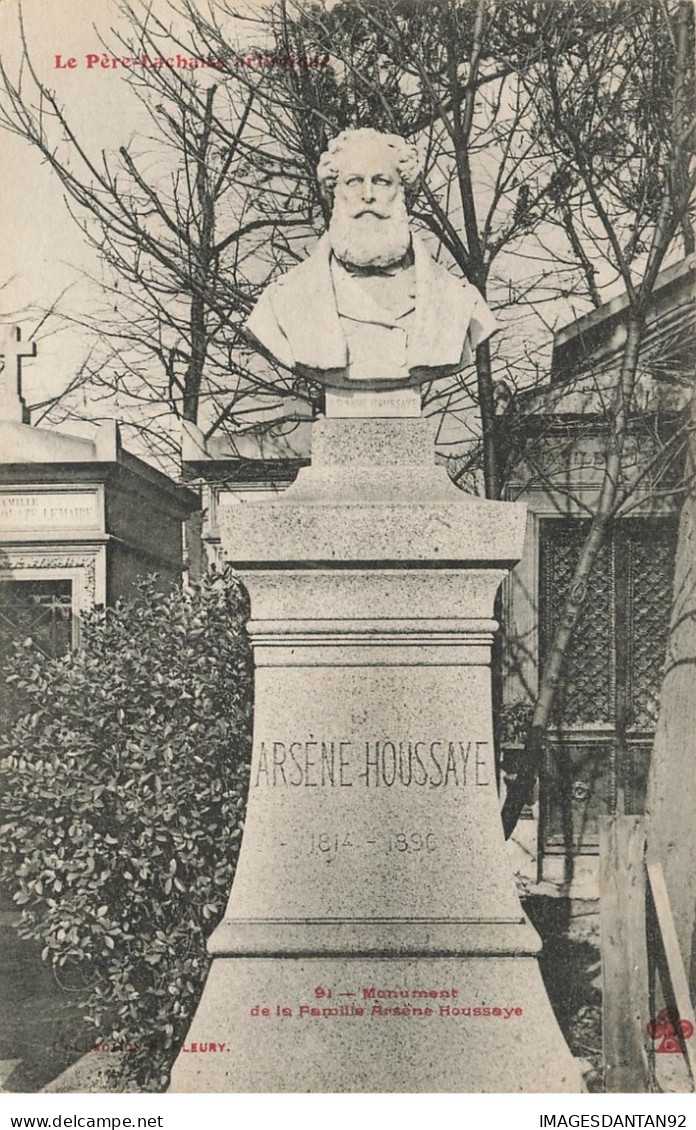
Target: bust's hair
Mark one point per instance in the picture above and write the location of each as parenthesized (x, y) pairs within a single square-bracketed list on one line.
[(403, 154)]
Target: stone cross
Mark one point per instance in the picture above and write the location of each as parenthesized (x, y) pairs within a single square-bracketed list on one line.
[(13, 349)]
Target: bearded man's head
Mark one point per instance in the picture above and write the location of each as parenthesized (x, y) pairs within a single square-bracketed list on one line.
[(365, 174)]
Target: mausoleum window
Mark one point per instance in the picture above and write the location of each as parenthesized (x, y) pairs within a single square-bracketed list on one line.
[(40, 609)]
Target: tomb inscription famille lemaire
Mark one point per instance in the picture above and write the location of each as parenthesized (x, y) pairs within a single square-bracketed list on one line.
[(40, 509)]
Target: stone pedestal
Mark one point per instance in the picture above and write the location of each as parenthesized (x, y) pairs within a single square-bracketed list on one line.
[(373, 939)]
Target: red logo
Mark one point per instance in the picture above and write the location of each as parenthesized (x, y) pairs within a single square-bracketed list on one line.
[(667, 1029)]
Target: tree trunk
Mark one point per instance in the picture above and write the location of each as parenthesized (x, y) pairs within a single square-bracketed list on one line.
[(484, 377), (671, 799), (202, 254), (519, 791)]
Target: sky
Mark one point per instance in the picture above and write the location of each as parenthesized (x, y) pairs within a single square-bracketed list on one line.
[(42, 251)]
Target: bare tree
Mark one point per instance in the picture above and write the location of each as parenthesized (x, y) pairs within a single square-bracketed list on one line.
[(613, 110), (181, 228)]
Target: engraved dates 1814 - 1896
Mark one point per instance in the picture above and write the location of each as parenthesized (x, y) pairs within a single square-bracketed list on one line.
[(329, 844)]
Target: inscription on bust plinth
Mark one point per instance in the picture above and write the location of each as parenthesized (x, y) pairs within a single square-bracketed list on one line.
[(397, 403)]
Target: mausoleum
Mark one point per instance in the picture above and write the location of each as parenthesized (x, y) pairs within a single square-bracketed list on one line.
[(80, 519), (599, 744)]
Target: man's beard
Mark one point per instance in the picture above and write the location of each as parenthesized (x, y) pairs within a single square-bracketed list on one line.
[(370, 240)]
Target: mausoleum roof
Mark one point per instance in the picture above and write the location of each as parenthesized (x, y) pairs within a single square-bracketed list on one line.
[(587, 354)]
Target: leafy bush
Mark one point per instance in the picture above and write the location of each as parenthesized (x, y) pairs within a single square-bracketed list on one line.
[(124, 782)]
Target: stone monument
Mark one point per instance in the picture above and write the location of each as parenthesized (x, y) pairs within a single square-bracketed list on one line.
[(373, 939)]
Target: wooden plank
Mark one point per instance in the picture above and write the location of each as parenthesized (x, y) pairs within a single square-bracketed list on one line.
[(624, 954), (675, 963)]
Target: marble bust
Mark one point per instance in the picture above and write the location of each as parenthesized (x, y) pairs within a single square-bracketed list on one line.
[(370, 307)]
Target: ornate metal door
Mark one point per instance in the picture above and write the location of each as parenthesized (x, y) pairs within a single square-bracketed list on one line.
[(599, 744)]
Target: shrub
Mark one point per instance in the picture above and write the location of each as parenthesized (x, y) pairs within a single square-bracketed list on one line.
[(124, 782)]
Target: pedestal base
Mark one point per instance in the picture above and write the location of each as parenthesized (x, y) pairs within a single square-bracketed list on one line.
[(373, 940), (437, 1024)]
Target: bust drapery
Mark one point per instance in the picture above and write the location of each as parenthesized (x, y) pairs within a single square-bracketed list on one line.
[(319, 321)]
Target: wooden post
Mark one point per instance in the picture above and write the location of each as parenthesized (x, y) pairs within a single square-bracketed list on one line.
[(624, 954), (678, 987)]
